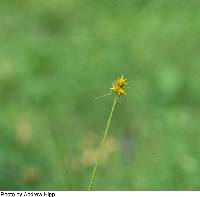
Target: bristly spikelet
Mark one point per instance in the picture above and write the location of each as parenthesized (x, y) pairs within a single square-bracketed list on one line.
[(119, 86)]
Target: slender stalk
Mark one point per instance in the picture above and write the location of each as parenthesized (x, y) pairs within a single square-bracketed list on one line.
[(60, 157), (101, 145)]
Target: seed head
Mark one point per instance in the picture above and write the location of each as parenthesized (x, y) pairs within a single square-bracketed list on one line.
[(119, 86)]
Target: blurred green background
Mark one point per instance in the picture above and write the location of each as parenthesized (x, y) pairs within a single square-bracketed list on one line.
[(56, 56)]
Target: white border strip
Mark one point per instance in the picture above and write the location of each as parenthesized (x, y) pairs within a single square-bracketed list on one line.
[(99, 193)]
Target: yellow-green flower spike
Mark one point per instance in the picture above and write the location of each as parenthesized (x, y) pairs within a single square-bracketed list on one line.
[(119, 86)]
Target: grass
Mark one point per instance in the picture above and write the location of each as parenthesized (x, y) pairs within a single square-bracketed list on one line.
[(57, 56), (101, 146)]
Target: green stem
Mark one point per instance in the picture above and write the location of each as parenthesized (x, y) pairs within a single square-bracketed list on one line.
[(101, 145), (60, 158)]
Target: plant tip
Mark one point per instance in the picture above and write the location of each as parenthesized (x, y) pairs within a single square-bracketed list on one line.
[(119, 86)]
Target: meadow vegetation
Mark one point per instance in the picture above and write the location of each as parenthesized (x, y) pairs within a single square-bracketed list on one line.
[(57, 56)]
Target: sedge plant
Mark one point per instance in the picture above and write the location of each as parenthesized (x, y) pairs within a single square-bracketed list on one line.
[(59, 153), (119, 89)]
